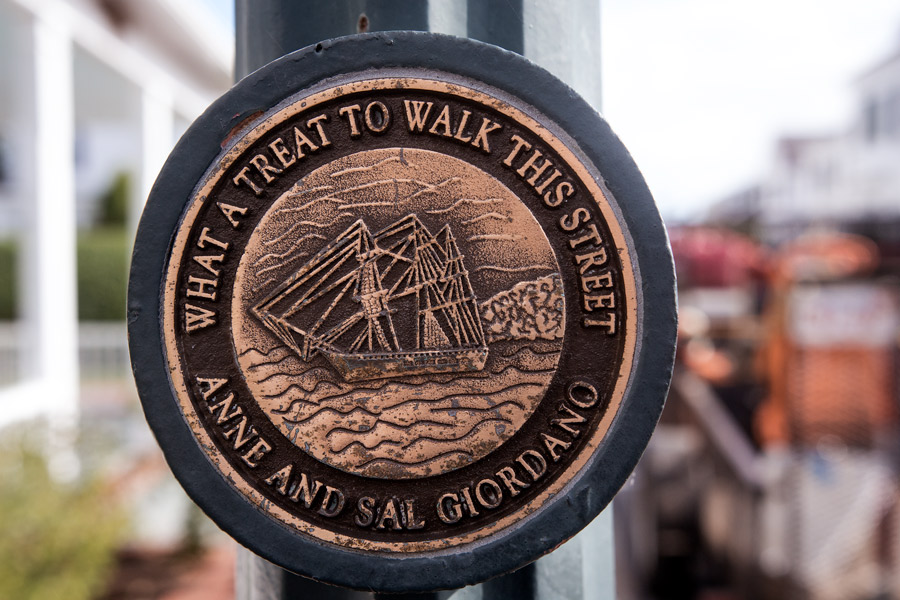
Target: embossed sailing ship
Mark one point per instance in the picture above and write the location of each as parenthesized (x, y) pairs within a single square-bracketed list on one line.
[(395, 303)]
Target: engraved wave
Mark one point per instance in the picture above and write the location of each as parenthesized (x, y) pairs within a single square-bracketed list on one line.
[(286, 254), (490, 215), (404, 445), (371, 167), (393, 455), (318, 385), (419, 187), (306, 223), (387, 469), (462, 201), (377, 400), (495, 237), (419, 422), (513, 269), (278, 266)]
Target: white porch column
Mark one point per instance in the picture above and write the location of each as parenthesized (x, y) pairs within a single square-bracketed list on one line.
[(157, 126), (49, 273)]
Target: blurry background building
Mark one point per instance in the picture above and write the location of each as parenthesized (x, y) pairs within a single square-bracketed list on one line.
[(846, 180), (774, 471), (93, 95)]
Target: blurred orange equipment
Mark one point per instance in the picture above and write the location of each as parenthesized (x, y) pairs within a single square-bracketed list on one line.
[(830, 365)]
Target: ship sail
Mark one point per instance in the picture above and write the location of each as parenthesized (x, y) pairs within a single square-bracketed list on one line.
[(433, 335), (344, 301)]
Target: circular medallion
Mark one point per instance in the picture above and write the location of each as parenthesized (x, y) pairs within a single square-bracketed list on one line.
[(395, 311)]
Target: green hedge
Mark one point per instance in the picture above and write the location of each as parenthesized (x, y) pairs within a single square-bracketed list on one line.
[(9, 251), (103, 256)]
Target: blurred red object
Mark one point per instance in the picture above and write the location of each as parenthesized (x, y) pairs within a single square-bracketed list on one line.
[(707, 257)]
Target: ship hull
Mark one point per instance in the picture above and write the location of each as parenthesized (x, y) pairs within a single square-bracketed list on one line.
[(355, 367)]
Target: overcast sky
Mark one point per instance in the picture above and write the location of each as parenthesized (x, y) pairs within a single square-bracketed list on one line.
[(699, 89)]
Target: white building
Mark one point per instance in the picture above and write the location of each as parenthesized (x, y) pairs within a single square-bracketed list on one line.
[(839, 180), (88, 89)]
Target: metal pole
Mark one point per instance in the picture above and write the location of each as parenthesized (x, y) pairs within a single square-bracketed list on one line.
[(565, 41)]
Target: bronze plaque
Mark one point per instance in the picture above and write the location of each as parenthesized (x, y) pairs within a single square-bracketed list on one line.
[(399, 313)]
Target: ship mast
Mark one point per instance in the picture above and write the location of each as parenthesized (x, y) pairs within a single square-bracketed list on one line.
[(460, 297), (373, 299)]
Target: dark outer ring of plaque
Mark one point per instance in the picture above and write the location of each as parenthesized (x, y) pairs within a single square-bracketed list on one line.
[(641, 404)]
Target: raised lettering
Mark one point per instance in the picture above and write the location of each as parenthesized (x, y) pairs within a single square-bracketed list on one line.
[(228, 210), (196, 318), (481, 140), (553, 177), (206, 261), (415, 116), (519, 144), (223, 407), (208, 386), (493, 498), (609, 323), (332, 502), (410, 510), (320, 129), (565, 423), (374, 123), (205, 238), (303, 492), (349, 112), (574, 221), (591, 259), (283, 155), (301, 140), (593, 236), (389, 513), (365, 511), (201, 290), (531, 163), (251, 457), (551, 443), (242, 434), (280, 479), (536, 467), (262, 165), (599, 301), (443, 120), (462, 125), (581, 389), (243, 177), (449, 512), (596, 282), (563, 191), (467, 497), (508, 477)]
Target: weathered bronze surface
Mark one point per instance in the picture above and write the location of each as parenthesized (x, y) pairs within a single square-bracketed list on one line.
[(399, 313)]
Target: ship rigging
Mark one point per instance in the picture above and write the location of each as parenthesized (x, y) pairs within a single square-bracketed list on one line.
[(395, 303)]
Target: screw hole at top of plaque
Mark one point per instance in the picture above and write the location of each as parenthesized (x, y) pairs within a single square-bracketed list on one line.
[(318, 47)]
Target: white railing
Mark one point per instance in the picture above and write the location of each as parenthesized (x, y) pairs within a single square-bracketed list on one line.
[(10, 355), (102, 351)]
